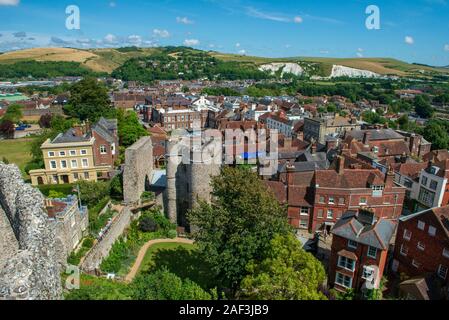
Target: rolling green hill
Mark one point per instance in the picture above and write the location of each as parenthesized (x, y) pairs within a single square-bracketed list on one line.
[(191, 62)]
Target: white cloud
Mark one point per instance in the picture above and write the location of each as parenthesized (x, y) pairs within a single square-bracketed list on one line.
[(9, 2), (359, 54), (191, 42), (360, 50), (446, 47), (110, 38), (161, 33), (298, 19), (242, 52), (409, 40), (184, 20), (135, 40), (237, 45), (256, 13)]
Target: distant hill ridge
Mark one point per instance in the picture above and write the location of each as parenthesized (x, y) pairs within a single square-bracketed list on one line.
[(110, 60)]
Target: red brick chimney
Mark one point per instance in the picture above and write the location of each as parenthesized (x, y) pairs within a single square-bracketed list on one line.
[(389, 178), (366, 138), (340, 164)]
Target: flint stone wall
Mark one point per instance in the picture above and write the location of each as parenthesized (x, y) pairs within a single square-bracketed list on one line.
[(30, 261), (138, 170)]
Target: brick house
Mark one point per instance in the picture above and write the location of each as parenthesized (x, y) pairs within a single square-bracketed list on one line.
[(317, 199), (359, 251), (422, 244)]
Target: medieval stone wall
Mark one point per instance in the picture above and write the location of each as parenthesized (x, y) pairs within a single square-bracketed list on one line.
[(138, 170), (30, 261), (102, 248)]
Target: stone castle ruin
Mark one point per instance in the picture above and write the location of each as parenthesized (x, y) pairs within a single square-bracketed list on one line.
[(31, 254), (192, 162)]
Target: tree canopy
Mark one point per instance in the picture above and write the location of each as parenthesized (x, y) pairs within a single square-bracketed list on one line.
[(238, 226), (287, 273)]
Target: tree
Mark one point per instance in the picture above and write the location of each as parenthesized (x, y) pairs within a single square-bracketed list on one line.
[(92, 192), (89, 100), (437, 132), (129, 128), (423, 107), (116, 187), (45, 121), (238, 226), (163, 285), (7, 128), (13, 113), (287, 273), (373, 118)]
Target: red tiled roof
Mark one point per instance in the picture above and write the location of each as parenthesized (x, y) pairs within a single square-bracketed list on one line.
[(350, 178), (278, 189)]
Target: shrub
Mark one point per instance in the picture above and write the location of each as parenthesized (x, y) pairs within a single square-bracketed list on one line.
[(147, 224), (147, 196), (88, 243), (172, 234)]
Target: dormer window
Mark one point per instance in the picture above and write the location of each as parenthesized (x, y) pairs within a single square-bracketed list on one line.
[(434, 170), (377, 191), (376, 150)]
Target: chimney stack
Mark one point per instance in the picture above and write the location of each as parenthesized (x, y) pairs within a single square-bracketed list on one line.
[(366, 138), (340, 164), (389, 178)]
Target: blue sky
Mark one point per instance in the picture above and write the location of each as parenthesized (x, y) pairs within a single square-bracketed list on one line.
[(414, 30)]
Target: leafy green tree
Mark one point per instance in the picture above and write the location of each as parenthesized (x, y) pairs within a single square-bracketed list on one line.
[(287, 273), (13, 113), (89, 100), (92, 192), (129, 128), (116, 187), (163, 285), (238, 226), (423, 107), (437, 132), (373, 118)]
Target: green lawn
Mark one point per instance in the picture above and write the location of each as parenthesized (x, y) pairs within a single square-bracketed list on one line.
[(180, 259), (16, 151)]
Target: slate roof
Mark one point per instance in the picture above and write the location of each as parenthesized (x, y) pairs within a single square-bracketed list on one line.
[(70, 136), (382, 134), (105, 129), (352, 227)]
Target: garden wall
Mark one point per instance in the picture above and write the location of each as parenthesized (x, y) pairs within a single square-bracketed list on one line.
[(101, 249)]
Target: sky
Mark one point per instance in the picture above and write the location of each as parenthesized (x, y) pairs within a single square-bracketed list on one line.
[(412, 31)]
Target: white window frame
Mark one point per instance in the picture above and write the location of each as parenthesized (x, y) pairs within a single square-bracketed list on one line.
[(330, 214), (416, 264), (66, 164), (51, 154), (407, 235), (74, 161), (105, 149), (421, 246), (303, 211), (432, 231), (421, 225), (82, 163), (351, 244), (331, 200), (343, 263), (84, 152), (363, 203), (446, 252), (55, 166), (343, 277), (442, 271), (368, 253), (72, 153), (404, 250), (86, 174), (62, 153)]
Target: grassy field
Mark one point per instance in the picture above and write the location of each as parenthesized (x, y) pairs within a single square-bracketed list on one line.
[(180, 259), (16, 151)]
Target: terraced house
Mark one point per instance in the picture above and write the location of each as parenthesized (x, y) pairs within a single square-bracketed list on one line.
[(79, 154)]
